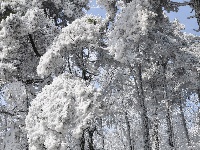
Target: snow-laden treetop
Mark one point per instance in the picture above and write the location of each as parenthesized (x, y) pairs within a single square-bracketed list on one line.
[(66, 105)]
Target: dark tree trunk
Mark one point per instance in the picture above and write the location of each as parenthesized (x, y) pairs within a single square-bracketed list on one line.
[(155, 122), (144, 117), (171, 139), (82, 141), (33, 45), (130, 144), (170, 127), (90, 141)]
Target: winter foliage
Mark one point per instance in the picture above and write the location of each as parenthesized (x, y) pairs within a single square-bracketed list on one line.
[(79, 35), (67, 105), (74, 81)]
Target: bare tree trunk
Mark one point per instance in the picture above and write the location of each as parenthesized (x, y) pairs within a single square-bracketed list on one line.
[(103, 141), (130, 144), (170, 126), (144, 117), (168, 106), (198, 93), (155, 130), (82, 141), (156, 123), (184, 121), (90, 140)]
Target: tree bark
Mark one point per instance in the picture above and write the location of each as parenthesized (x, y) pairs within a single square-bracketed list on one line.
[(156, 134), (130, 144), (103, 140), (170, 127), (184, 121), (144, 117), (155, 122), (33, 45), (82, 141), (171, 139), (90, 141), (198, 93)]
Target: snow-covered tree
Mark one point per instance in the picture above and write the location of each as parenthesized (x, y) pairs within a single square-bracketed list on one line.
[(70, 80), (65, 107)]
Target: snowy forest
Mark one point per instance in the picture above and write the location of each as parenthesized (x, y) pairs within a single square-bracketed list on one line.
[(70, 80)]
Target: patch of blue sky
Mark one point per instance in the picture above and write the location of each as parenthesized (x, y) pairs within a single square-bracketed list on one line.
[(2, 101), (96, 10), (182, 15)]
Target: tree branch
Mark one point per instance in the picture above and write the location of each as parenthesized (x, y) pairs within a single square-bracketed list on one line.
[(5, 112), (33, 45)]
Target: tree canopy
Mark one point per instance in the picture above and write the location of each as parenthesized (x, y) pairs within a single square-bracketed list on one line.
[(74, 81)]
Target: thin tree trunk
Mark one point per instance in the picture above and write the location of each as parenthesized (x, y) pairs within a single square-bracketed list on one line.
[(198, 93), (168, 105), (82, 141), (144, 117), (156, 123), (170, 126), (155, 130), (103, 141), (90, 140), (130, 144), (198, 115), (184, 121)]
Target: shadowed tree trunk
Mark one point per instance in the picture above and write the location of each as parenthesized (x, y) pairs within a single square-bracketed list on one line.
[(184, 121), (156, 140), (90, 140), (171, 138), (141, 99), (82, 141), (130, 144)]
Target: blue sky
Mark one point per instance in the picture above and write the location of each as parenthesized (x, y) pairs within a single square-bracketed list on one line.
[(181, 15)]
